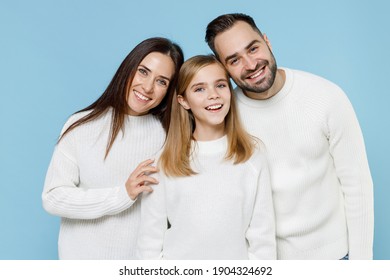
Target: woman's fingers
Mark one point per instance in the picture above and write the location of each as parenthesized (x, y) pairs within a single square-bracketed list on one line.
[(144, 167), (146, 170), (139, 179)]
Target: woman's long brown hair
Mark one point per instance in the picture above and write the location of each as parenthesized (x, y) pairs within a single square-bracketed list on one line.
[(115, 95)]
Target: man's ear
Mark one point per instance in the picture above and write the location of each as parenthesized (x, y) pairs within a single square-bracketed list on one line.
[(183, 102), (267, 41)]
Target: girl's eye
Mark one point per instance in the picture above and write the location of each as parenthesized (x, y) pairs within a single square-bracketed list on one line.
[(199, 89), (221, 85)]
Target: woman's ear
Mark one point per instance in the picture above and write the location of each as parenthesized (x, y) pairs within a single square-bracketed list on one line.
[(183, 102)]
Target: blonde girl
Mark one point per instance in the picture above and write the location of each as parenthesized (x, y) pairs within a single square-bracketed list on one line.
[(213, 200)]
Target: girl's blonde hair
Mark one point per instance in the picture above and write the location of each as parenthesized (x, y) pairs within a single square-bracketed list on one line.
[(175, 157)]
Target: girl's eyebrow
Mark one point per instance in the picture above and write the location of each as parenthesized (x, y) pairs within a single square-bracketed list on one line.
[(198, 84), (221, 80), (203, 83)]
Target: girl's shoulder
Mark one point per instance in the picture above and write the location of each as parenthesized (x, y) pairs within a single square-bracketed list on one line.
[(258, 160)]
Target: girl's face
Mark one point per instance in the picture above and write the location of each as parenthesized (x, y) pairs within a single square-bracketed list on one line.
[(208, 97), (150, 83)]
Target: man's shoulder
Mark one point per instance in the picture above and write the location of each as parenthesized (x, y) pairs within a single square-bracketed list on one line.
[(308, 78)]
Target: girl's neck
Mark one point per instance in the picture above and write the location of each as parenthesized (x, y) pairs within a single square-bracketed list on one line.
[(209, 134)]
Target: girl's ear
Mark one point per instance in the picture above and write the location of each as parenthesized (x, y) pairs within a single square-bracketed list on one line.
[(183, 102)]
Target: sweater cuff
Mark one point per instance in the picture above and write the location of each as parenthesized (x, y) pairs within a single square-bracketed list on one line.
[(124, 197)]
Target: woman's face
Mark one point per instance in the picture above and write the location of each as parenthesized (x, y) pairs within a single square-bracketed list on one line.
[(150, 83), (208, 97)]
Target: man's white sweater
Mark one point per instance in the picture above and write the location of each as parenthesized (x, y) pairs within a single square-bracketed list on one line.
[(99, 220), (322, 187)]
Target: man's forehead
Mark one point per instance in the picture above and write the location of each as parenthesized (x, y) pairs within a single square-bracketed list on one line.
[(235, 39)]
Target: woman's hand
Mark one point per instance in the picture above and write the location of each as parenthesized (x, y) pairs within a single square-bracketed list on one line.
[(135, 184)]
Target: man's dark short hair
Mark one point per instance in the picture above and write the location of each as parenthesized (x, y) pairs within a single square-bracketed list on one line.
[(223, 23)]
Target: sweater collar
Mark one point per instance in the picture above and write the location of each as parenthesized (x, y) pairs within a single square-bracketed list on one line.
[(210, 147)]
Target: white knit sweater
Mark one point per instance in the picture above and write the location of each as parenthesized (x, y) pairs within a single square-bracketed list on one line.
[(321, 182), (99, 220), (223, 212)]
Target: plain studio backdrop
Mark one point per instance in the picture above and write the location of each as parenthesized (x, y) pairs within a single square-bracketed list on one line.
[(57, 57)]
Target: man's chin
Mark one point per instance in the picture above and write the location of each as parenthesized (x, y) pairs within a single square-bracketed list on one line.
[(254, 89)]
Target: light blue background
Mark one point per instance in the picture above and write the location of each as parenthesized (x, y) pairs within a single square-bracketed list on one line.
[(57, 57)]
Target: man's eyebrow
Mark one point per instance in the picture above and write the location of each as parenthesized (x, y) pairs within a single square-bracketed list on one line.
[(236, 53)]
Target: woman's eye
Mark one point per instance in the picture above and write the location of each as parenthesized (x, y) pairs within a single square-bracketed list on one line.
[(142, 71), (162, 82)]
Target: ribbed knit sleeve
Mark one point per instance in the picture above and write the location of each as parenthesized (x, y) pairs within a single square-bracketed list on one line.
[(346, 145), (153, 223), (263, 219), (63, 197)]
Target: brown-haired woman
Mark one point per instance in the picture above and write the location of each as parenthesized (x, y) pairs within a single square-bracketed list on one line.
[(98, 168), (214, 188)]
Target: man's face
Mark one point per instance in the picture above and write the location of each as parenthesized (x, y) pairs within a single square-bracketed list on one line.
[(247, 57)]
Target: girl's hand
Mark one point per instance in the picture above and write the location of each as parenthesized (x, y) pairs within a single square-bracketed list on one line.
[(135, 184)]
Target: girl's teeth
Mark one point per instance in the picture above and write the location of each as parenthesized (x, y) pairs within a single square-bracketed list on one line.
[(214, 107)]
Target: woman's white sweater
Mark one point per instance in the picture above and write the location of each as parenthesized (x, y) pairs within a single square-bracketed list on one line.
[(99, 220)]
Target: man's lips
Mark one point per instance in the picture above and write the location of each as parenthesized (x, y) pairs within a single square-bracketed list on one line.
[(255, 74)]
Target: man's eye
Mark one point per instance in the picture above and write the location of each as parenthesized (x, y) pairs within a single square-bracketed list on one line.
[(234, 61)]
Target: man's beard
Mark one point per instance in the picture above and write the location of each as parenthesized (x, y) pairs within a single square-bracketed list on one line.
[(262, 85)]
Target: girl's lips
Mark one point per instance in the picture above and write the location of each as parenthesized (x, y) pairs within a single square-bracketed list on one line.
[(214, 107)]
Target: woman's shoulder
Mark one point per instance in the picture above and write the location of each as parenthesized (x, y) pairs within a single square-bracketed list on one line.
[(74, 118), (81, 114)]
